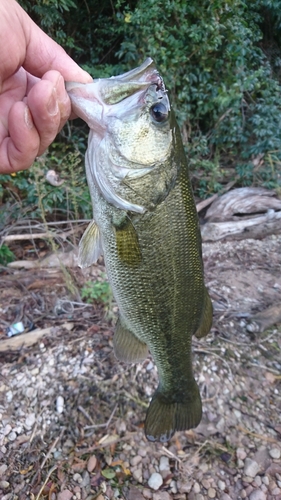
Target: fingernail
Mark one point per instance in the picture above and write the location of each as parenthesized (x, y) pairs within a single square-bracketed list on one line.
[(28, 118), (61, 92), (52, 105)]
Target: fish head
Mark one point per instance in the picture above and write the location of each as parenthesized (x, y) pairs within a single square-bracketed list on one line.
[(130, 121), (133, 109)]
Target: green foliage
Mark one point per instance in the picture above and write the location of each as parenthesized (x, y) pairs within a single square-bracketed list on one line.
[(97, 291), (6, 255), (221, 62), (220, 81), (71, 200)]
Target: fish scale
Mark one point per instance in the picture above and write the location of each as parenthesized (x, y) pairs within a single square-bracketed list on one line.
[(151, 244)]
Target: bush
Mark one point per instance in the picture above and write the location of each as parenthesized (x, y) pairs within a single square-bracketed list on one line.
[(221, 62)]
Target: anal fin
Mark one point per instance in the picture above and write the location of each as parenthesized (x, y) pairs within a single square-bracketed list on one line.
[(127, 347)]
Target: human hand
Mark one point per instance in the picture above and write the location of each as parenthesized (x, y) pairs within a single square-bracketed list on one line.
[(34, 104)]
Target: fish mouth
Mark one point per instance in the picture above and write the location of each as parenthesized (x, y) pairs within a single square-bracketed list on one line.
[(118, 88), (146, 73), (115, 96)]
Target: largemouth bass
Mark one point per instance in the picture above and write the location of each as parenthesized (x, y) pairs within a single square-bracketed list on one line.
[(146, 227)]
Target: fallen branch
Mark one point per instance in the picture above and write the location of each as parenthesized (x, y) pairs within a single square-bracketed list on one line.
[(30, 338), (57, 259), (35, 236), (254, 228), (265, 319), (242, 202), (209, 201)]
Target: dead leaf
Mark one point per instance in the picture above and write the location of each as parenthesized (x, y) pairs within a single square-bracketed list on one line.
[(25, 471), (108, 439), (65, 495), (134, 494), (79, 466), (92, 462), (271, 378)]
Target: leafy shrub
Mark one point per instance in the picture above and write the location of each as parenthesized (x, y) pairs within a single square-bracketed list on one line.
[(221, 62), (27, 193), (6, 255), (221, 83), (99, 291)]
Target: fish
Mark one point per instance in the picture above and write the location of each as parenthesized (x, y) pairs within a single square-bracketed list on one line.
[(146, 227)]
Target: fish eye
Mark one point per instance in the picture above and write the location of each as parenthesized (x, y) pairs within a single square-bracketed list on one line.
[(159, 112)]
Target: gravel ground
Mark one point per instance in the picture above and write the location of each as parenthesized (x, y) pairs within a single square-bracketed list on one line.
[(71, 415)]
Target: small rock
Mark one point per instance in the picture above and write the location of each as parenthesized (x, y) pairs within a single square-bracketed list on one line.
[(257, 482), (7, 429), (161, 495), (3, 469), (60, 404), (133, 494), (257, 495), (225, 496), (65, 495), (147, 493), (142, 452), (251, 467), (77, 478), (30, 420), (12, 436), (206, 483), (137, 475), (249, 490), (196, 488), (92, 463), (135, 460), (164, 463), (29, 392), (173, 486), (204, 467), (155, 481), (212, 493), (240, 453), (221, 485), (4, 485), (221, 425), (184, 487), (275, 491), (262, 458), (275, 453), (86, 480), (265, 480)]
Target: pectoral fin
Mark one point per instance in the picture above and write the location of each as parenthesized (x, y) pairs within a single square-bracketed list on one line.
[(90, 247), (127, 347), (207, 317), (127, 242)]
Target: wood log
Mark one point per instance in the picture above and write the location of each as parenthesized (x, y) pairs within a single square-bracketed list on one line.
[(55, 259), (265, 319), (30, 338), (238, 203), (256, 228)]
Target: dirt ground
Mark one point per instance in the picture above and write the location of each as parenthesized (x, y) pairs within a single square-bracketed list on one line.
[(71, 415)]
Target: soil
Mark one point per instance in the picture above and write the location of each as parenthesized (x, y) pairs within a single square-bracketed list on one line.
[(71, 415)]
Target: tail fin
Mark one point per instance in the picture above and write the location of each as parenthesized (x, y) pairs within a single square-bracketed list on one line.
[(164, 418)]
